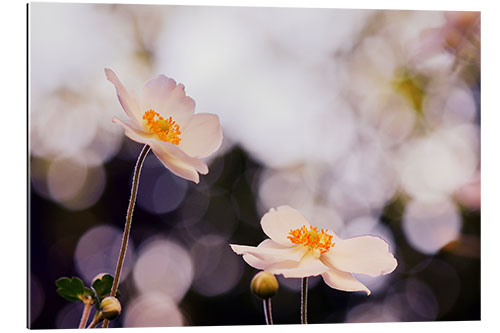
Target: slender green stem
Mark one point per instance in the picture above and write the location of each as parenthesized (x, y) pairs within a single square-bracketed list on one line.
[(303, 303), (268, 313), (85, 313), (97, 320), (128, 222)]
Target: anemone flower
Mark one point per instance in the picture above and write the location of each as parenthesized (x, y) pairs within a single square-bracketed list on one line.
[(296, 249), (163, 118)]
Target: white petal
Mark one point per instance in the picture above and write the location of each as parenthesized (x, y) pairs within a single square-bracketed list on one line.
[(180, 169), (278, 222), (365, 255), (202, 136), (163, 95), (308, 266), (128, 100), (132, 132), (255, 262), (177, 161), (343, 281), (170, 155), (271, 252)]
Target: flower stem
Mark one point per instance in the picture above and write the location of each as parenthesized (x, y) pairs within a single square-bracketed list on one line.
[(303, 303), (268, 313), (128, 222), (97, 320), (85, 313)]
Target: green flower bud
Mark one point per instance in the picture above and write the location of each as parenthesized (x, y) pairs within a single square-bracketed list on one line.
[(110, 307), (264, 285)]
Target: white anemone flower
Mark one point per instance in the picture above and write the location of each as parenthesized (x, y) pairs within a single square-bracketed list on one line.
[(163, 118), (297, 250)]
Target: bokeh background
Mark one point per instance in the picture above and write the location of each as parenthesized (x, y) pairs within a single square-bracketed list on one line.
[(366, 121)]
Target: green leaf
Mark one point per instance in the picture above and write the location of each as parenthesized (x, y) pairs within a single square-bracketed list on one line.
[(72, 289), (102, 286), (87, 292)]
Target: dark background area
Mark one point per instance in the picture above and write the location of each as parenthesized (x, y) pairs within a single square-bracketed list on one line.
[(454, 280)]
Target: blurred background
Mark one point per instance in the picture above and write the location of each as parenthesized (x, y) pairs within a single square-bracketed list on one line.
[(366, 121)]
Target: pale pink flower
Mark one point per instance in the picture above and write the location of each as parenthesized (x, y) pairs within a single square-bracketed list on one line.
[(163, 118), (297, 250)]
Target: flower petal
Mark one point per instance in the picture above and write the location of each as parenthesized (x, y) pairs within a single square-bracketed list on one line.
[(176, 152), (343, 281), (365, 255), (278, 222), (128, 100), (255, 262), (202, 136), (268, 253), (132, 132), (172, 157), (177, 161), (271, 252), (180, 169), (308, 266), (165, 96)]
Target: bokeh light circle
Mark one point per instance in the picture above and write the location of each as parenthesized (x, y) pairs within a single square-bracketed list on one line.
[(217, 268), (430, 226), (161, 191), (421, 299), (152, 310), (36, 298), (163, 266), (65, 179), (97, 251)]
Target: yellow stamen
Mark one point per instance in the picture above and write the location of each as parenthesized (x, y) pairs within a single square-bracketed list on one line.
[(319, 242), (166, 129)]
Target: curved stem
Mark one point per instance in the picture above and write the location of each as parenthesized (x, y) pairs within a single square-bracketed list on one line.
[(268, 313), (97, 320), (128, 222), (85, 313), (303, 303)]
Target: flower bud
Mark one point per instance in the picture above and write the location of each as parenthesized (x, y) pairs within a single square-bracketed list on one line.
[(264, 285), (110, 307)]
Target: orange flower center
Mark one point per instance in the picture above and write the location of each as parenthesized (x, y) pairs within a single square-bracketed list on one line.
[(166, 129), (319, 242)]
